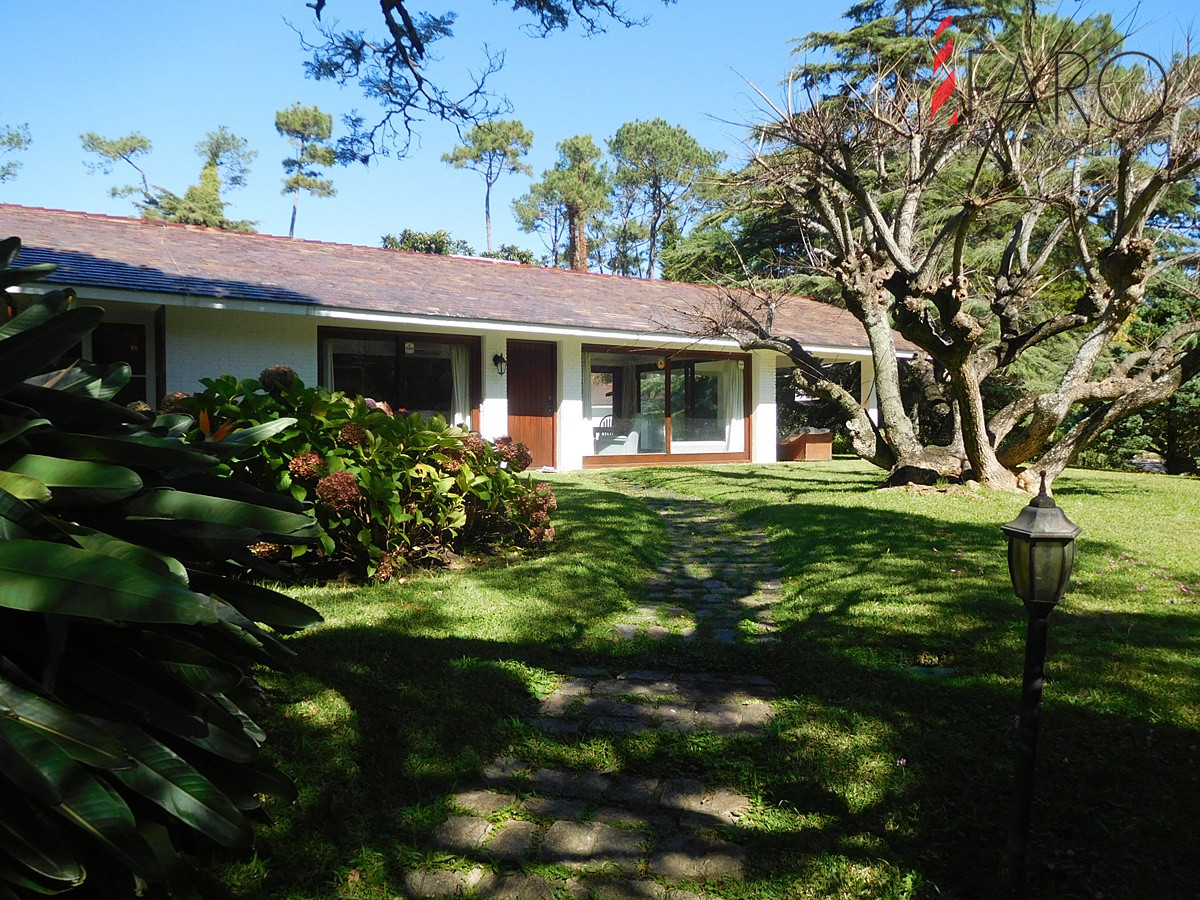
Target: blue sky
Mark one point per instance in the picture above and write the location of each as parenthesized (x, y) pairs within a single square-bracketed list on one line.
[(176, 69)]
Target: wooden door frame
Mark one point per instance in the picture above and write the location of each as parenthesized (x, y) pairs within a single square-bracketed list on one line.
[(556, 382)]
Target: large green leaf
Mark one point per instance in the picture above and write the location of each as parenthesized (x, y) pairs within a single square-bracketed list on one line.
[(144, 450), (54, 578), (24, 487), (76, 412), (158, 704), (281, 612), (20, 520), (164, 503), (40, 311), (159, 563), (12, 427), (256, 434), (168, 780), (78, 737), (194, 666), (44, 770), (87, 379), (35, 841), (75, 482), (25, 353)]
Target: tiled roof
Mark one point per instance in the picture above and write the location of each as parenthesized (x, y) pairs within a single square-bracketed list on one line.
[(132, 254)]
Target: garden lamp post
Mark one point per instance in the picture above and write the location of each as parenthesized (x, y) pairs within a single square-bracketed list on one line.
[(1041, 550)]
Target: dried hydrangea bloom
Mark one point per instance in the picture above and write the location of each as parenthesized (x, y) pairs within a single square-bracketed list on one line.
[(473, 443), (278, 379), (387, 568), (339, 491), (266, 550), (173, 402), (352, 435), (380, 405), (452, 466), (306, 465)]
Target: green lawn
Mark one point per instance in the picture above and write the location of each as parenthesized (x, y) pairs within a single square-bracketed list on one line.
[(888, 769)]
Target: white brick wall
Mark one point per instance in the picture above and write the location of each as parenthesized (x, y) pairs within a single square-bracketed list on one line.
[(205, 343)]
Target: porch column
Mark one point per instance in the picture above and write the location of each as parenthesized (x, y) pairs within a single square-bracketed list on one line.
[(572, 433), (763, 438)]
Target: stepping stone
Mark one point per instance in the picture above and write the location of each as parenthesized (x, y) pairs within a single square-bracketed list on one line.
[(615, 815), (554, 807), (682, 795), (423, 883), (631, 790), (590, 844), (721, 808), (461, 834), (626, 890), (504, 769), (483, 803), (512, 842), (588, 786), (724, 635), (694, 857), (514, 887), (556, 726)]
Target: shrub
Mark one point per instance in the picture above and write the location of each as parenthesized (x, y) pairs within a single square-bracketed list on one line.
[(125, 708), (388, 489)]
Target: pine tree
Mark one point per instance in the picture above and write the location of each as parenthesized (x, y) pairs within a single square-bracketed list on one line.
[(492, 149), (308, 130)]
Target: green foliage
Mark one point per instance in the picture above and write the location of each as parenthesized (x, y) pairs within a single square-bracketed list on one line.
[(439, 242), (567, 199), (125, 635), (513, 253), (492, 148), (308, 130), (657, 169), (13, 139), (388, 489), (223, 154)]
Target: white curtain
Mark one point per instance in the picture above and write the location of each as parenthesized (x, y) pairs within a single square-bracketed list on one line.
[(460, 370), (732, 408)]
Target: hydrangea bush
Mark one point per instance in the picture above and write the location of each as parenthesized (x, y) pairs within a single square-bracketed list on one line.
[(389, 489)]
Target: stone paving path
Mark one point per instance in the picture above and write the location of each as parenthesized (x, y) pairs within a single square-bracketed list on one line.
[(718, 583), (608, 836)]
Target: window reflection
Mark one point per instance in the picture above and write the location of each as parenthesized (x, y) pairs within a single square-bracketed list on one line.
[(631, 398)]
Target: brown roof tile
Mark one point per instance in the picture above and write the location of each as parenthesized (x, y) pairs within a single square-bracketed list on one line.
[(95, 250)]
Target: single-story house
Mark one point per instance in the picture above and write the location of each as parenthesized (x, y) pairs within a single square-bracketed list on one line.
[(588, 370)]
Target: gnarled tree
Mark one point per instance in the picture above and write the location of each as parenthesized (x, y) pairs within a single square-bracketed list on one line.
[(1014, 246)]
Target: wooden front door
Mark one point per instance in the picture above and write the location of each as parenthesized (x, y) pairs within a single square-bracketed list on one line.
[(533, 397)]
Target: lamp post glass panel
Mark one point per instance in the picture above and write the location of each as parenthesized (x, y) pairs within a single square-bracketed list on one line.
[(1041, 551)]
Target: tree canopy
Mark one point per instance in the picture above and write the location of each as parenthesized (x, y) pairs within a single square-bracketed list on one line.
[(492, 149), (657, 167), (308, 130), (567, 199), (13, 139), (1014, 248), (439, 242), (398, 68), (226, 160)]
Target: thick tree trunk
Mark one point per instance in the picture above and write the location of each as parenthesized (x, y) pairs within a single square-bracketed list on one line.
[(578, 249), (977, 445)]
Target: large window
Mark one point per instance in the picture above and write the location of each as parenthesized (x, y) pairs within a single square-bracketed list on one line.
[(418, 373), (639, 403)]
